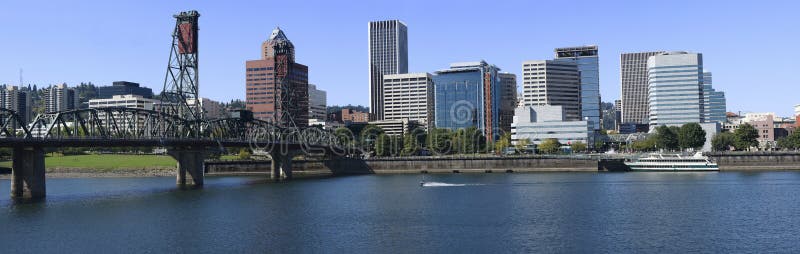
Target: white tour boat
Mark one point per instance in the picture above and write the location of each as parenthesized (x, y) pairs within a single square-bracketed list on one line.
[(673, 162)]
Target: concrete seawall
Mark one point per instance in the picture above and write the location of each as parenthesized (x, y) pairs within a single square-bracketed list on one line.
[(747, 161), (409, 165)]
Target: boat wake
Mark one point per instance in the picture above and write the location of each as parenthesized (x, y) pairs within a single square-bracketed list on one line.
[(440, 184)]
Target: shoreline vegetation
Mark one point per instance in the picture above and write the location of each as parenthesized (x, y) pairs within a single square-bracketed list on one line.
[(149, 165)]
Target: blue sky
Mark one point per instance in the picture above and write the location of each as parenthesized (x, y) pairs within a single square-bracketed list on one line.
[(750, 46)]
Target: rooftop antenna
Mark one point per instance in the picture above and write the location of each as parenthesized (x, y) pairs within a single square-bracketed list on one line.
[(20, 78)]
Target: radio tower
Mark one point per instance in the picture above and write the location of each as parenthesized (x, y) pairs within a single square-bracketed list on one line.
[(181, 81)]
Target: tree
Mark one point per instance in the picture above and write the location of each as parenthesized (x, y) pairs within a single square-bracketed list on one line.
[(469, 140), (578, 147), (666, 138), (522, 145), (502, 143), (440, 140), (410, 144), (722, 141), (691, 135), (369, 135), (550, 146), (344, 135), (791, 142), (648, 144), (244, 154), (382, 145), (387, 145), (746, 136)]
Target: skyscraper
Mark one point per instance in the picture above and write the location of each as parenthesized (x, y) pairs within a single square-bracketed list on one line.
[(277, 87), (675, 88), (714, 108), (633, 83), (508, 99), (467, 95), (587, 59), (388, 54), (317, 103), (555, 83)]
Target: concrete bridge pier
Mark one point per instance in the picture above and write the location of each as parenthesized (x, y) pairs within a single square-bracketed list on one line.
[(27, 173), (190, 165), (281, 166)]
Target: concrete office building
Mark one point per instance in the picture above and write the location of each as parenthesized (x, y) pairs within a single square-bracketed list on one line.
[(408, 96), (538, 123), (211, 108), (617, 114), (675, 92), (468, 95), (548, 82), (317, 103), (797, 115), (714, 105), (764, 124), (586, 57), (123, 88), (633, 84), (11, 97), (264, 88), (508, 99), (349, 116), (60, 98), (125, 101), (388, 54), (397, 126)]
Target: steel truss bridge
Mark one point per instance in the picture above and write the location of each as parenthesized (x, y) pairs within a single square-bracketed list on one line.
[(188, 141)]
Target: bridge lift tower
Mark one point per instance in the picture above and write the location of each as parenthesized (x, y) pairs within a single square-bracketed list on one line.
[(181, 81)]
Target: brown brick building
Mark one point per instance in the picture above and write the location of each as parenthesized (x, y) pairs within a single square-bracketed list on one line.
[(349, 116), (266, 96)]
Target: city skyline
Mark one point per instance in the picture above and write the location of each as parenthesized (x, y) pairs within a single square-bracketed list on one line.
[(137, 44)]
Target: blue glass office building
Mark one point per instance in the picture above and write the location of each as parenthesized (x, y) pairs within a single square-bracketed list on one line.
[(468, 95), (587, 59)]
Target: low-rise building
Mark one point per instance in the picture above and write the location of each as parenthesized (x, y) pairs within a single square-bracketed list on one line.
[(212, 109), (764, 123), (124, 101), (797, 115), (349, 116), (397, 127), (538, 123)]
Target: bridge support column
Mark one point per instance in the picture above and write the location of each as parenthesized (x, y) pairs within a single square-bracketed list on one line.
[(281, 166), (27, 173), (190, 166)]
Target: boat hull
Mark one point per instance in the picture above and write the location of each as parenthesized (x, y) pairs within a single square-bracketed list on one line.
[(681, 168)]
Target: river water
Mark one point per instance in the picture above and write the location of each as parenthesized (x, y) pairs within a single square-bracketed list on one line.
[(470, 213)]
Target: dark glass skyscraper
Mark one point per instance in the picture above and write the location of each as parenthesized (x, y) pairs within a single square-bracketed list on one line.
[(468, 95), (388, 54), (587, 59)]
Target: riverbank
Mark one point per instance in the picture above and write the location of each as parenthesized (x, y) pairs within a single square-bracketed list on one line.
[(116, 165), (103, 173)]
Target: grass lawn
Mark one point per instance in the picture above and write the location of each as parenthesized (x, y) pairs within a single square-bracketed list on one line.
[(229, 157), (106, 161)]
